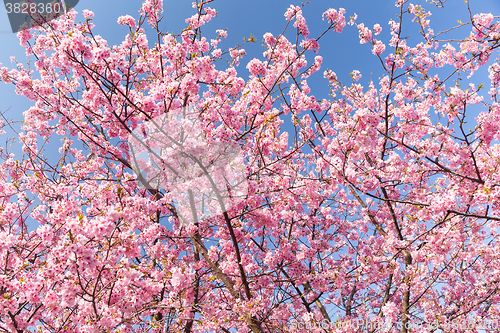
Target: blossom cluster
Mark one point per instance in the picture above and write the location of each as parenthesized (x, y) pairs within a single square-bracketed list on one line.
[(379, 197)]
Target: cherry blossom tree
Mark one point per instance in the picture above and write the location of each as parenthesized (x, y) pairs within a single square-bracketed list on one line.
[(374, 205)]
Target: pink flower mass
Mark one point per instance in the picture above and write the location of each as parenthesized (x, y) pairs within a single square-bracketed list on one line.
[(370, 199)]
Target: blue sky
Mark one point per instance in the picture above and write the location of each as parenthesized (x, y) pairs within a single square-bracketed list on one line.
[(341, 52)]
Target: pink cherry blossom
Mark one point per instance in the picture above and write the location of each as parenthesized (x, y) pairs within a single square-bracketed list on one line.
[(127, 20), (256, 67), (371, 200)]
